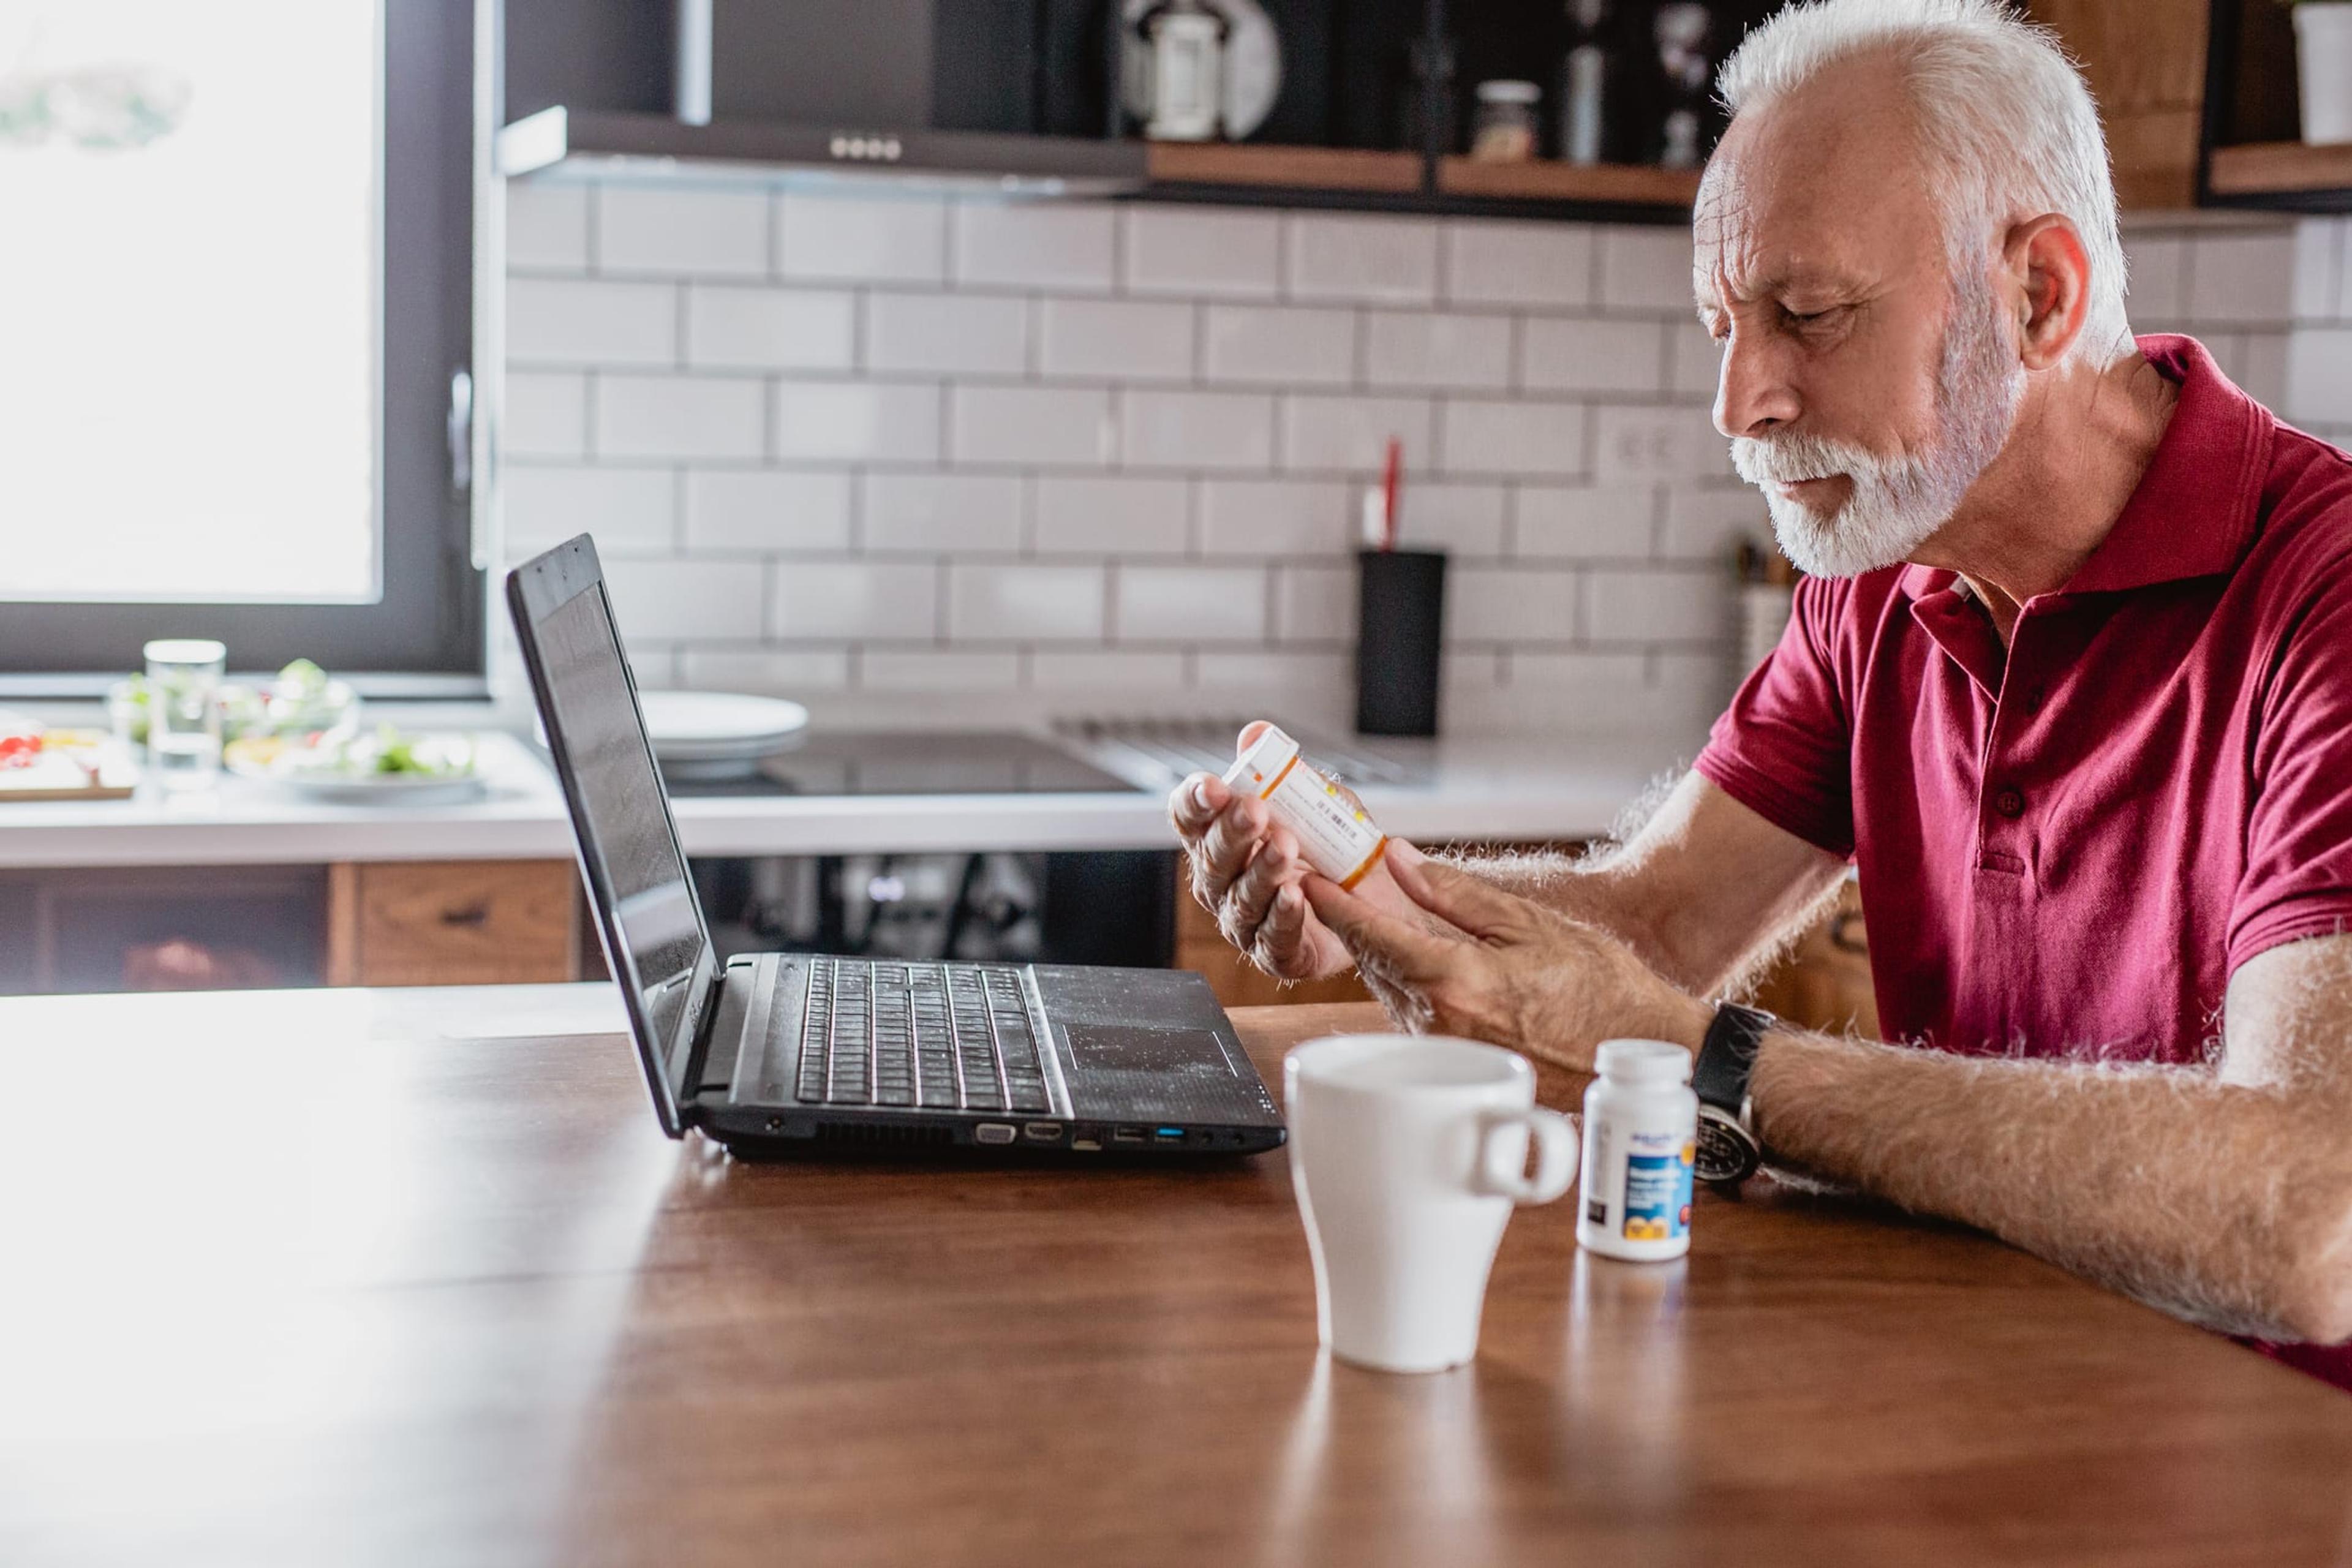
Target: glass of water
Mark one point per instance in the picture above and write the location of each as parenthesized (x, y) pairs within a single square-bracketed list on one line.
[(184, 723)]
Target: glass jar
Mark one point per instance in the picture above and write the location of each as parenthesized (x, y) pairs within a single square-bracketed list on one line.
[(1505, 129), (184, 721)]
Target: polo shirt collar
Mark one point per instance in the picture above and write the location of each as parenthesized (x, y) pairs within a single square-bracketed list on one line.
[(2196, 510)]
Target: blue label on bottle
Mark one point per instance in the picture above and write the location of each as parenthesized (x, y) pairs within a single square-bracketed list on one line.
[(1658, 1196)]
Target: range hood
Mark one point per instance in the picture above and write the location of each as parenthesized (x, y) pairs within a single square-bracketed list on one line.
[(799, 91), (656, 146)]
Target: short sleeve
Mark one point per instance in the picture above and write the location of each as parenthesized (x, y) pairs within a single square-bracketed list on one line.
[(2298, 868), (1784, 749)]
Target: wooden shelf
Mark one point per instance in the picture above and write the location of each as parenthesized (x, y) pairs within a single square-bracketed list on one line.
[(1545, 181), (1309, 168), (2282, 169)]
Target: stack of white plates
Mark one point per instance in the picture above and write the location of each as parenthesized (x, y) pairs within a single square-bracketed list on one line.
[(704, 734)]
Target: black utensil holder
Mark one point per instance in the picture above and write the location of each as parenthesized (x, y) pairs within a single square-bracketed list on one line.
[(1399, 631)]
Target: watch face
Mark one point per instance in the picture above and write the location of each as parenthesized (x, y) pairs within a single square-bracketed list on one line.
[(1725, 1152)]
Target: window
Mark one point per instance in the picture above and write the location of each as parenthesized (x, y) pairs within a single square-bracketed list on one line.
[(235, 397)]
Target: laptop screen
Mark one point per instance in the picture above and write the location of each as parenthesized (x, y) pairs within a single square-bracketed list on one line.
[(654, 935)]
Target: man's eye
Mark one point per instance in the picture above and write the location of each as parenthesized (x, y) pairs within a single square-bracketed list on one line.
[(1808, 318)]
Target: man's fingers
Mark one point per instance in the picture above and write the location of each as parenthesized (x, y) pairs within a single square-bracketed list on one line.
[(1282, 935), (1194, 803), (1405, 951), (1232, 836), (1473, 905), (1253, 892), (1248, 737)]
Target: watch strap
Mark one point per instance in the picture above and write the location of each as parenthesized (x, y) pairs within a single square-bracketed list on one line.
[(1727, 1055)]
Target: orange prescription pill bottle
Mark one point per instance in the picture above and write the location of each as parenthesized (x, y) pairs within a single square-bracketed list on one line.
[(1334, 833)]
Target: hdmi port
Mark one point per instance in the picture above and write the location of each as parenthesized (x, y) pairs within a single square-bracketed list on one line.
[(1128, 1135)]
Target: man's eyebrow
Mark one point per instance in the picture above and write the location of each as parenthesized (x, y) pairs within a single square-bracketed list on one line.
[(1786, 280)]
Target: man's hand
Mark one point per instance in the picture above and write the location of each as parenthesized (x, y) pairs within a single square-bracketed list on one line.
[(1246, 871), (1521, 976)]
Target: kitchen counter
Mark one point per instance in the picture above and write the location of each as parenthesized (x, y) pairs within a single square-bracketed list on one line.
[(1482, 789)]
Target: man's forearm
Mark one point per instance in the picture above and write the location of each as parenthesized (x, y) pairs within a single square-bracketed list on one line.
[(2216, 1202)]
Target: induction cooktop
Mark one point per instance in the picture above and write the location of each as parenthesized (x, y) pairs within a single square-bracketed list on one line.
[(979, 761)]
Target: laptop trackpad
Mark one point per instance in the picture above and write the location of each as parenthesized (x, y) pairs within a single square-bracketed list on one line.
[(1129, 1048)]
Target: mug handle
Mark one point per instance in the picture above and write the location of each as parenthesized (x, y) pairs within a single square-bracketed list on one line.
[(1556, 1142)]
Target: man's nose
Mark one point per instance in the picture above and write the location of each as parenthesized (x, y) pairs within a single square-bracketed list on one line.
[(1753, 392)]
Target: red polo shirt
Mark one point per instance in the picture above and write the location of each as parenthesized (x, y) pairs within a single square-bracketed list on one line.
[(2066, 847)]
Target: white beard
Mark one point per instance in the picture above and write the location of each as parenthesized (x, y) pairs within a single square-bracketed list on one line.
[(1898, 501)]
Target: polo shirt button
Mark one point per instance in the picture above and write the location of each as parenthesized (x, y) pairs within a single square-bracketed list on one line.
[(2010, 803)]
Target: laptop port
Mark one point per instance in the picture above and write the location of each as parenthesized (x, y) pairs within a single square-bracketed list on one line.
[(1042, 1132), (1091, 1145), (1169, 1134), (994, 1132), (1126, 1135)]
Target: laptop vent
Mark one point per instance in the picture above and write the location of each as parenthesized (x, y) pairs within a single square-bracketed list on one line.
[(876, 1135)]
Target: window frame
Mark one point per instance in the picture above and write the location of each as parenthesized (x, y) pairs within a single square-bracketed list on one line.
[(425, 636)]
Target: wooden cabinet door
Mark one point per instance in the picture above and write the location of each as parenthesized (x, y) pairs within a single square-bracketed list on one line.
[(453, 922), (2145, 63)]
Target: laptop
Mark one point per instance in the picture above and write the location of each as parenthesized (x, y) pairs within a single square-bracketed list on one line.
[(778, 1052)]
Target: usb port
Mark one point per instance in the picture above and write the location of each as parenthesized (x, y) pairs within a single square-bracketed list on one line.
[(1042, 1132), (1126, 1135), (1169, 1134)]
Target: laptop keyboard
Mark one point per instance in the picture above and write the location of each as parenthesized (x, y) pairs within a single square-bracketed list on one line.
[(950, 1037)]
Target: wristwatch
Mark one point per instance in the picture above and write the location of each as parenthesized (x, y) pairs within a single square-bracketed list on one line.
[(1729, 1149)]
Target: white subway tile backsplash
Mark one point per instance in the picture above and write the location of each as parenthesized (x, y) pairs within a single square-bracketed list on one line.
[(1646, 268), (1313, 603), (1278, 345), (1111, 514), (545, 415), (1584, 522), (768, 329), (1511, 605), (1190, 603), (680, 599), (1421, 348), (1375, 261), (786, 672), (2318, 254), (1115, 340), (1696, 368), (1466, 519), (840, 421), (1203, 430), (1034, 245), (1064, 427), (2240, 279), (1708, 524), (952, 333), (856, 599), (1568, 355), (2157, 277), (1268, 678), (942, 513), (1322, 434), (1489, 262), (1274, 516), (2344, 270), (1658, 605), (2319, 375), (630, 511), (1202, 254), (1026, 603), (1638, 446), (680, 416), (767, 509), (547, 224), (682, 231), (552, 320), (2261, 367), (884, 237), (1105, 669), (1526, 438), (932, 669)]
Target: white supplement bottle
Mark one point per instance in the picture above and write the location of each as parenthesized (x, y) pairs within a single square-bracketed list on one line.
[(1640, 1136), (1336, 836)]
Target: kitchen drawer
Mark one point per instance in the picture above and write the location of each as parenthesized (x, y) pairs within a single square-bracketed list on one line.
[(456, 922)]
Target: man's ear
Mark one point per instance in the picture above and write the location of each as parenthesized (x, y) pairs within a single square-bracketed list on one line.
[(2048, 273)]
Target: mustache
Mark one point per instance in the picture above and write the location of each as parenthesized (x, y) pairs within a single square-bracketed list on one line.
[(1792, 459)]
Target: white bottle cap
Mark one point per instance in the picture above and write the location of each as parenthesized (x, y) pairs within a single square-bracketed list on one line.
[(1643, 1061), (1253, 772)]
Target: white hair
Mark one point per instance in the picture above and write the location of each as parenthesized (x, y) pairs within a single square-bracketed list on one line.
[(2002, 113)]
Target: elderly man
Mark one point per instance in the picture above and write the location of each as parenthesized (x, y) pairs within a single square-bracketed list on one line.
[(2070, 684)]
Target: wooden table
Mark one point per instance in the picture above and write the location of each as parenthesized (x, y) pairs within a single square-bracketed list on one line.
[(316, 1278)]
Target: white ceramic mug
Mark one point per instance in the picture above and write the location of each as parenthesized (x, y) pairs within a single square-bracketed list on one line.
[(1407, 1153)]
